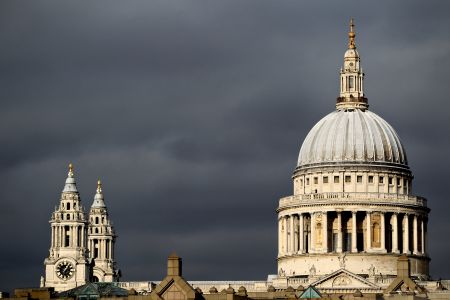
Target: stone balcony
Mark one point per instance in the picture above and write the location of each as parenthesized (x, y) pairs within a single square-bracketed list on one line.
[(351, 198)]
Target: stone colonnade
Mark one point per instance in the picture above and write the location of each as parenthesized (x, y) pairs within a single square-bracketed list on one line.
[(101, 248), (73, 234), (352, 231)]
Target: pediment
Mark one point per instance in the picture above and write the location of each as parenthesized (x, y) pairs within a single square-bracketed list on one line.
[(344, 279)]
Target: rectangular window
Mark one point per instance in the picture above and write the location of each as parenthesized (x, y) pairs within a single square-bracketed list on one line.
[(336, 179), (66, 236), (301, 182), (370, 179), (350, 82), (348, 178), (325, 179), (381, 179), (391, 180), (307, 181), (347, 242), (316, 180), (359, 179), (335, 242)]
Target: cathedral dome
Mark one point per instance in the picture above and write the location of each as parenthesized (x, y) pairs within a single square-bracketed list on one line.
[(352, 136)]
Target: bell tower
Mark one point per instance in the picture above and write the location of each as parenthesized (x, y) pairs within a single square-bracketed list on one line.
[(67, 265), (101, 240)]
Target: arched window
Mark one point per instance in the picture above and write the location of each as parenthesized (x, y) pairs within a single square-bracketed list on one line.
[(96, 220), (68, 217), (68, 205)]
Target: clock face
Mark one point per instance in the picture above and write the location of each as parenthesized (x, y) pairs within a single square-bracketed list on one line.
[(65, 270)]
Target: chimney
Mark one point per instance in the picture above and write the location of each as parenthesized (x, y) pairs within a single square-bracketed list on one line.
[(403, 267), (174, 265)]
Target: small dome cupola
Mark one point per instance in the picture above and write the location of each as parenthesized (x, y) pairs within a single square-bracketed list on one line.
[(351, 94), (70, 185), (98, 198)]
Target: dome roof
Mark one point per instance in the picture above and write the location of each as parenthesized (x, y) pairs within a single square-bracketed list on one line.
[(352, 136)]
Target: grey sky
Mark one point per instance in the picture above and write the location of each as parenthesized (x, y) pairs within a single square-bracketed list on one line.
[(193, 112)]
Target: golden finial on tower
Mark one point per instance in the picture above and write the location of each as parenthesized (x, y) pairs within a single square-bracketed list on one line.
[(70, 170), (99, 186), (351, 36)]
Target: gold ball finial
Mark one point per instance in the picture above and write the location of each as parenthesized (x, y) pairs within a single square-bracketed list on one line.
[(70, 170), (351, 36), (99, 186)]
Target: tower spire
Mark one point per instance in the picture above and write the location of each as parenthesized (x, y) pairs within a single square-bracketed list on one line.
[(351, 36), (98, 198), (70, 185)]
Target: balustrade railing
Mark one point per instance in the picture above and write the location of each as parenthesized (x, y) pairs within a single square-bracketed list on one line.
[(320, 198)]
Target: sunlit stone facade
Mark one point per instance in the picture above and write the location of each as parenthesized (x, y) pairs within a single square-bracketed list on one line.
[(81, 247), (353, 206)]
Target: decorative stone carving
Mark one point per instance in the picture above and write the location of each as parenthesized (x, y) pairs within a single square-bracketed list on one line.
[(312, 271), (342, 259), (372, 270), (341, 280)]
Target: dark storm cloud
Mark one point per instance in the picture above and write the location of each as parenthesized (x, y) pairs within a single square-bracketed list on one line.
[(193, 113)]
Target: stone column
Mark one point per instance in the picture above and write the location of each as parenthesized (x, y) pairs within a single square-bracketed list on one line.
[(292, 234), (295, 234), (312, 244), (354, 231), (383, 232), (415, 236), (368, 232), (339, 221), (301, 242), (53, 236), (75, 236), (422, 232), (325, 231), (280, 236), (82, 236), (110, 249), (285, 235), (70, 233), (406, 235), (60, 236), (56, 236), (394, 222)]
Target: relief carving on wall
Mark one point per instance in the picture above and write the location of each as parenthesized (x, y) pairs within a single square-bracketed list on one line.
[(341, 280)]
